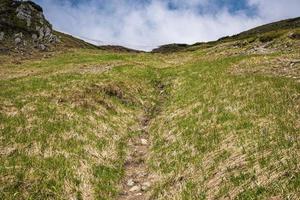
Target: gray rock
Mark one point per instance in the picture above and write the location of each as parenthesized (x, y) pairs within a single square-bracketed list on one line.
[(24, 13), (28, 21), (42, 47), (53, 39), (47, 32), (41, 17), (41, 33), (135, 189), (130, 183), (57, 40), (19, 35), (34, 37), (1, 35), (18, 40)]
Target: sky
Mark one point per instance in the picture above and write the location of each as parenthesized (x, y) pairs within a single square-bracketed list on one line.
[(146, 24)]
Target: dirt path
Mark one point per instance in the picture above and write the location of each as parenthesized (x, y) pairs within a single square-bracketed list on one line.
[(137, 179)]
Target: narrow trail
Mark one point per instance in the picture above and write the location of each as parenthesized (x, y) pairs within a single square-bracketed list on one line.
[(137, 179)]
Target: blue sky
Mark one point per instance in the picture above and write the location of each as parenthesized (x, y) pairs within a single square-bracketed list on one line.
[(145, 24)]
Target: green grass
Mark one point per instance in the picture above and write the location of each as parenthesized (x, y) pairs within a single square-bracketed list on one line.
[(250, 117), (217, 130)]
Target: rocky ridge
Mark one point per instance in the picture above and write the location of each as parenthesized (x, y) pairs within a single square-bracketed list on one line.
[(23, 26)]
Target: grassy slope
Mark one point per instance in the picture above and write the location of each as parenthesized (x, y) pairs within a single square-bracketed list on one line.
[(218, 130), (264, 33), (221, 135)]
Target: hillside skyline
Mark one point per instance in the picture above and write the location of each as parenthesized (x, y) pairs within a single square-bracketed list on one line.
[(147, 24)]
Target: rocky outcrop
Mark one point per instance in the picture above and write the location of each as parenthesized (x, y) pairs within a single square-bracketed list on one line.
[(22, 24), (295, 36)]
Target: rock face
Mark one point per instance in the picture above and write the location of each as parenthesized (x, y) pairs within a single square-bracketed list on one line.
[(22, 23)]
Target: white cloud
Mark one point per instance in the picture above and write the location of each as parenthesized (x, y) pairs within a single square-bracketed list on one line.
[(152, 24), (271, 10)]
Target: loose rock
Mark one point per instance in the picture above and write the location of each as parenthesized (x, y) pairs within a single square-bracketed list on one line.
[(144, 142), (19, 35), (130, 183), (18, 40), (34, 37), (135, 189), (53, 39)]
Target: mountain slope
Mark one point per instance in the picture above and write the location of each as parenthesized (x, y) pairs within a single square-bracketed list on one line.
[(275, 26), (214, 121), (265, 33)]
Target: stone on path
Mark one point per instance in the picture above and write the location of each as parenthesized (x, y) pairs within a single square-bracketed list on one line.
[(146, 186), (135, 189), (130, 183), (144, 142)]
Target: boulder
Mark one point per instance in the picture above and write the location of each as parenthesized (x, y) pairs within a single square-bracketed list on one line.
[(53, 39), (25, 13)]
